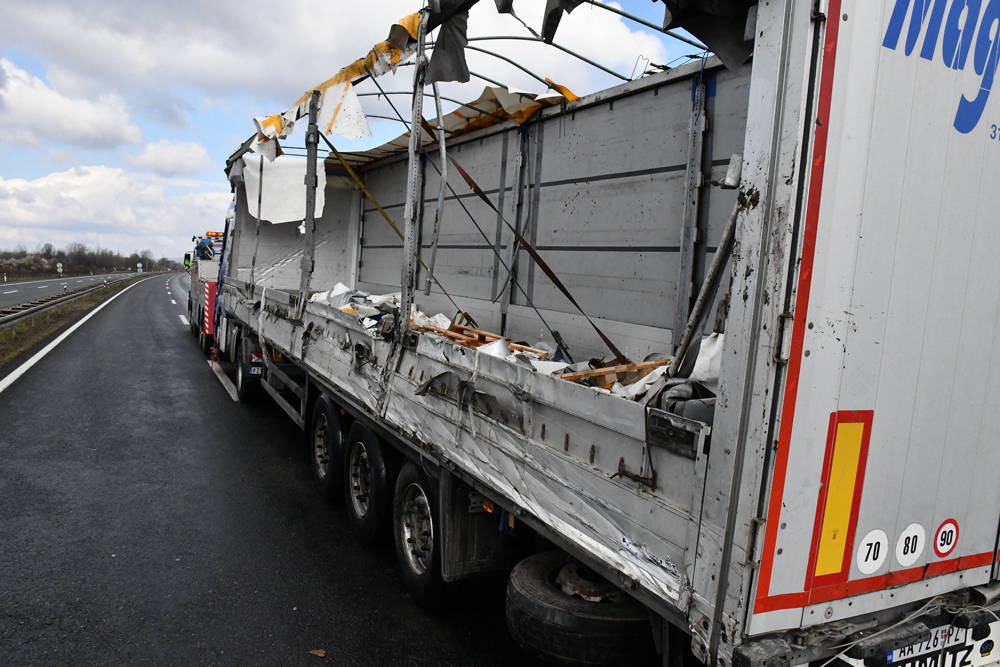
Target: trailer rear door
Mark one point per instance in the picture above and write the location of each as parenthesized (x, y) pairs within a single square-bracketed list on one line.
[(884, 488)]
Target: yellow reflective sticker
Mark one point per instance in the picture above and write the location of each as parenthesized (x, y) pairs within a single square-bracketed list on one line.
[(839, 498)]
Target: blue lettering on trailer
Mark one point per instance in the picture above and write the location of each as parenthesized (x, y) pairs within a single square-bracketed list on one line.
[(957, 38)]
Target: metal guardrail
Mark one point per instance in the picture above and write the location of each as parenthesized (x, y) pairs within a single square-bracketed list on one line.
[(11, 315)]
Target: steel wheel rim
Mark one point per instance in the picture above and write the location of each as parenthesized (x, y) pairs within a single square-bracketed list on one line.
[(361, 480), (321, 453), (417, 529)]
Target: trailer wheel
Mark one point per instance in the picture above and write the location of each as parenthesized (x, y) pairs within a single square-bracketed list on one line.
[(566, 628), (326, 447), (367, 489), (247, 385), (416, 536)]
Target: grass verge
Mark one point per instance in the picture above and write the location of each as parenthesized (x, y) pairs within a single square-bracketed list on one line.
[(33, 331)]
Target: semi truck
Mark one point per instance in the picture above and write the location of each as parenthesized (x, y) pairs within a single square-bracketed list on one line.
[(706, 363)]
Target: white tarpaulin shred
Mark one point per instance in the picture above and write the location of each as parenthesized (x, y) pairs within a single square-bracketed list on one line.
[(338, 297), (709, 362), (266, 147), (284, 195), (341, 113)]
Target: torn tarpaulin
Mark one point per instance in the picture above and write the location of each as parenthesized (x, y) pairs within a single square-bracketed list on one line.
[(341, 113), (284, 191), (235, 173), (383, 57), (553, 14), (448, 60)]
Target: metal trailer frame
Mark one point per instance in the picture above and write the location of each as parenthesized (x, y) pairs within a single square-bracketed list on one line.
[(582, 461)]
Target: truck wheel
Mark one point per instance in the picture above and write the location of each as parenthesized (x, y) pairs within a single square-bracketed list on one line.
[(547, 616), (367, 490), (417, 537), (326, 447), (192, 322), (247, 386)]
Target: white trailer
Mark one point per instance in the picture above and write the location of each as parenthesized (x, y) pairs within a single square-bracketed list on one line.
[(837, 500)]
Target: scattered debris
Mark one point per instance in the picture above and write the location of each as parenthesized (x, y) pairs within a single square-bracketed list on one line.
[(370, 309), (476, 338), (606, 377), (318, 652), (377, 313)]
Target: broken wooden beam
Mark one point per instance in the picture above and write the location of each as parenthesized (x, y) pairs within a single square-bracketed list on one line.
[(603, 373)]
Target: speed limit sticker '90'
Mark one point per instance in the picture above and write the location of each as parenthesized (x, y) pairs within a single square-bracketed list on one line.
[(946, 538)]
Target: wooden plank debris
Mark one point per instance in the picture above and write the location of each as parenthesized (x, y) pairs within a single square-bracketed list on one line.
[(473, 338), (606, 377)]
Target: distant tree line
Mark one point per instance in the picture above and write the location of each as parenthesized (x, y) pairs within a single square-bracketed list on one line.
[(76, 259)]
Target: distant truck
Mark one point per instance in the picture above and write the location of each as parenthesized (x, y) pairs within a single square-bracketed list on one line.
[(813, 482), (203, 266)]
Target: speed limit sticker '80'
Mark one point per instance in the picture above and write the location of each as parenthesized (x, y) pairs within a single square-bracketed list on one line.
[(910, 544)]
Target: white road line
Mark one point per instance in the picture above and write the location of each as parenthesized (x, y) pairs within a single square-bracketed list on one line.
[(13, 291), (173, 302), (43, 287), (226, 382), (26, 366), (184, 320)]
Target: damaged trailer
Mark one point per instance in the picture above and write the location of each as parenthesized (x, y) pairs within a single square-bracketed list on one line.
[(723, 334)]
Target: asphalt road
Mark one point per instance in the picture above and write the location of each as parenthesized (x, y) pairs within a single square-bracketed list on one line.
[(14, 293), (146, 518)]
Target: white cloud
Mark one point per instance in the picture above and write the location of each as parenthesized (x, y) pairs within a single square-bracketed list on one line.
[(223, 48), (32, 113), (105, 206), (173, 158)]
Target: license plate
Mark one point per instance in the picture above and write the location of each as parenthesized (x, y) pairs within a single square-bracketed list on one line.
[(256, 370), (946, 647)]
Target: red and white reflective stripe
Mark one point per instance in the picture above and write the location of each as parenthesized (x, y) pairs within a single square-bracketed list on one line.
[(208, 320)]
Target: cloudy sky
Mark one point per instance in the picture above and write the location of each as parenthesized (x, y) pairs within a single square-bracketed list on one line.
[(117, 116)]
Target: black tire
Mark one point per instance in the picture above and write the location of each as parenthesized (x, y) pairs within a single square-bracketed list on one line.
[(367, 484), (569, 630), (326, 448), (192, 321), (417, 536), (247, 386)]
